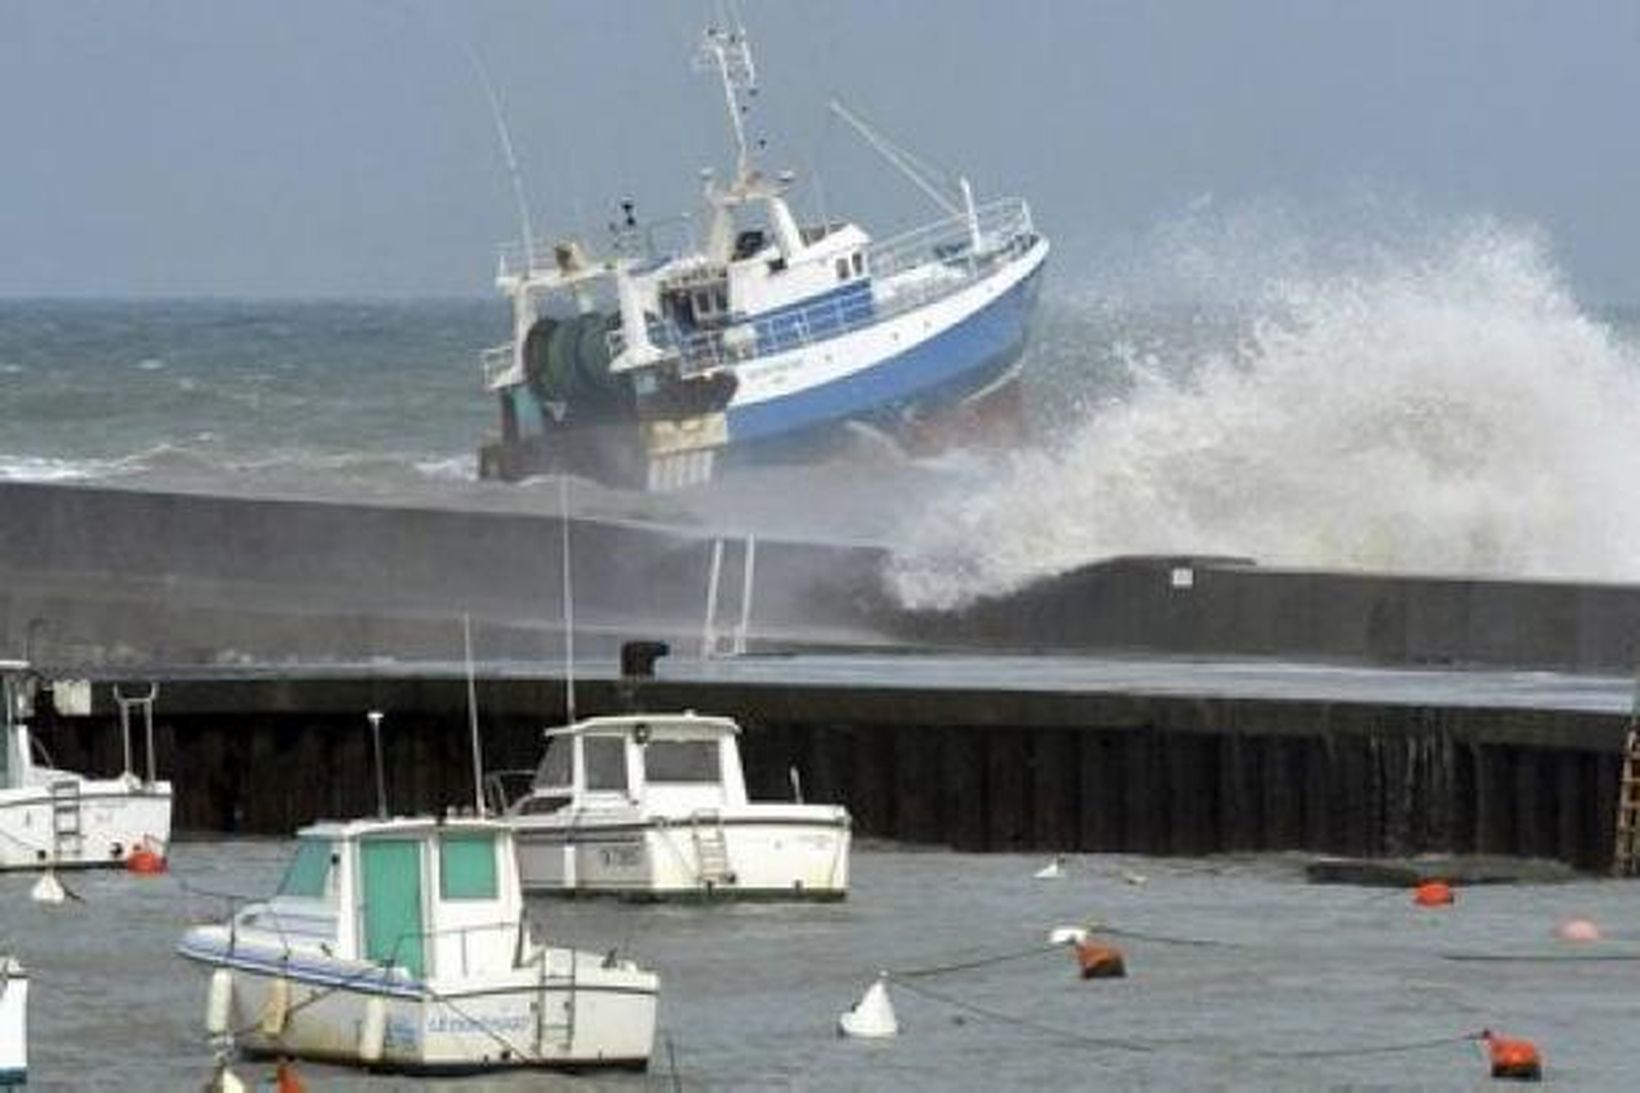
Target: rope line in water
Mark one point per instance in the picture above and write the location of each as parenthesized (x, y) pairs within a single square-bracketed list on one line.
[(1081, 1039), (977, 962), (1406, 1047)]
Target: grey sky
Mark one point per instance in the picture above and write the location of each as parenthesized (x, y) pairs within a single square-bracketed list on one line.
[(321, 147)]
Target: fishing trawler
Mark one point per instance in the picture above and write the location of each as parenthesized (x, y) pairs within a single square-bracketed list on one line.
[(653, 364), (654, 806), (51, 818), (402, 944)]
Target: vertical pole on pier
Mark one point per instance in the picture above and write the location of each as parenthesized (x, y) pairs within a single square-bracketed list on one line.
[(472, 716), (746, 579), (708, 636), (569, 602), (375, 717)]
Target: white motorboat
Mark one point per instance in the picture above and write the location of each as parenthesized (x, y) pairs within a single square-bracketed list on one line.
[(654, 805), (51, 818), (13, 1022), (401, 944)]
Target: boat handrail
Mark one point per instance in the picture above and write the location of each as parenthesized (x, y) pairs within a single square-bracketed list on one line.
[(910, 270), (494, 362)]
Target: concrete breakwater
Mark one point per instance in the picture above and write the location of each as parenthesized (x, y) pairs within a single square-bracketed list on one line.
[(970, 769), (99, 576)]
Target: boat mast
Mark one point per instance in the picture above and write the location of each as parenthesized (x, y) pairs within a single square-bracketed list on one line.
[(730, 51)]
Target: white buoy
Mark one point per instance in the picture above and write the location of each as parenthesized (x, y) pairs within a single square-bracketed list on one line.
[(48, 889), (1135, 879), (218, 1002), (1053, 870), (373, 1029), (872, 1017), (1067, 935)]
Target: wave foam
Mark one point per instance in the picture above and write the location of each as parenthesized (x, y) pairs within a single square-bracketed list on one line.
[(1445, 410)]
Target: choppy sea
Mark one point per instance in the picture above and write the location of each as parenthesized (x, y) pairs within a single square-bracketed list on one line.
[(1444, 404)]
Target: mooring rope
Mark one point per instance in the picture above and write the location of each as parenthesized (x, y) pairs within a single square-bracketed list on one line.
[(932, 970), (1078, 1038)]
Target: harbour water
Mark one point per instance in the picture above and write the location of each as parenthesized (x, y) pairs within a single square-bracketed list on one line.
[(1240, 974)]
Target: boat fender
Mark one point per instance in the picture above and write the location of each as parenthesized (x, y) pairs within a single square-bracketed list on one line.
[(286, 1079), (1433, 893), (373, 1029), (872, 1017), (218, 1002), (276, 1008), (1514, 1059), (1100, 961)]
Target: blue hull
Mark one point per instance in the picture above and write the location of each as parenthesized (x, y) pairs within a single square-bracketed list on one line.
[(945, 368)]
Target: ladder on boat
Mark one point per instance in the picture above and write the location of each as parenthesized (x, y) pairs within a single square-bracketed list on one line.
[(711, 849), (1626, 850), (67, 837)]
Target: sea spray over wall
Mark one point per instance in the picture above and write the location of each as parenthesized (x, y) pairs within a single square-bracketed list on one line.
[(1446, 408)]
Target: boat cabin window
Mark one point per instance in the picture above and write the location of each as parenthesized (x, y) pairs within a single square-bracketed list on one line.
[(309, 873), (859, 263), (539, 804), (690, 761), (554, 771), (748, 243), (842, 269), (466, 866), (604, 762)]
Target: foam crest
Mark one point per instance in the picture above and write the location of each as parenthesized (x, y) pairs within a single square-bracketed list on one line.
[(1446, 410)]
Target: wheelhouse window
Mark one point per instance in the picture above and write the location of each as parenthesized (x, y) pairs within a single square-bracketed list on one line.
[(842, 269), (554, 771), (604, 760), (466, 866), (859, 263), (687, 761), (308, 875)]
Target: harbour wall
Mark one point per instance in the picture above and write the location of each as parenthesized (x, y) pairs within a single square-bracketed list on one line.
[(98, 576), (973, 770)]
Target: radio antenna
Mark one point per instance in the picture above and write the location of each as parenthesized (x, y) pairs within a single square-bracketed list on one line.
[(515, 175)]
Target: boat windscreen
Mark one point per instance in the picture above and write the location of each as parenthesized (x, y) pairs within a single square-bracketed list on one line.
[(309, 873), (554, 771), (604, 758)]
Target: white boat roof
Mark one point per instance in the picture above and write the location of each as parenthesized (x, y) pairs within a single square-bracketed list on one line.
[(628, 723), (397, 825), (7, 665)]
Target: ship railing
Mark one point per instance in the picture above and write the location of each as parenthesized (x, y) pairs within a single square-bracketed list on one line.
[(908, 271), (650, 240), (494, 363)]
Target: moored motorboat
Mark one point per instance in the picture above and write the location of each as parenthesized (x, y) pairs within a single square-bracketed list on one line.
[(52, 818), (13, 1022), (402, 944), (654, 805)]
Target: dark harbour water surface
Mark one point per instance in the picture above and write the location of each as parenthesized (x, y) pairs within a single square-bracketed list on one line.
[(1283, 984)]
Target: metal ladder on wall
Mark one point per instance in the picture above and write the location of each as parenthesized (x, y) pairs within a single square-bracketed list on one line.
[(67, 837), (1626, 848), (711, 848)]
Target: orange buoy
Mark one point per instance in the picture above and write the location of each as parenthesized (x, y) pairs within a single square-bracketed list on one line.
[(1515, 1059), (1099, 961), (145, 859), (1433, 893)]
